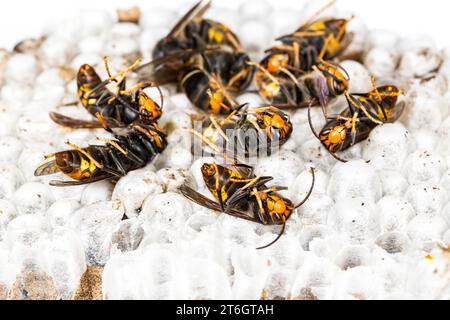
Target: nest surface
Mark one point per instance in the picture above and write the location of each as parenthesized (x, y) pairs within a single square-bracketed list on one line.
[(371, 230)]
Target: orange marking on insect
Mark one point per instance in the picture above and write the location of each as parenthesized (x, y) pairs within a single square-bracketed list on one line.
[(279, 205), (216, 101), (337, 135), (277, 61), (274, 120), (147, 104)]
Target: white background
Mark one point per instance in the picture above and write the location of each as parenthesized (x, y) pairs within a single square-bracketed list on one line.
[(25, 18)]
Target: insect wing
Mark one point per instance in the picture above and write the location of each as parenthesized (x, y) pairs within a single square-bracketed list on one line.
[(196, 12), (395, 113), (59, 183), (46, 169), (203, 201), (166, 69)]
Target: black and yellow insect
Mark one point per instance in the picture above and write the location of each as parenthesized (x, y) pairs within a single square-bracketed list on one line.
[(318, 87), (316, 40), (246, 133), (191, 35), (138, 142), (128, 151), (119, 108), (319, 39), (239, 193), (364, 113), (300, 68), (212, 82), (193, 32), (205, 59)]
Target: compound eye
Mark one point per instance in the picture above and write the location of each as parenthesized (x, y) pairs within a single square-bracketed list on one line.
[(337, 86), (65, 161), (276, 217)]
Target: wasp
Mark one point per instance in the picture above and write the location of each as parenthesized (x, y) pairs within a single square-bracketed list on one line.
[(327, 81), (191, 35), (247, 133), (364, 113), (315, 40), (125, 152), (193, 32), (202, 56), (320, 39), (283, 76), (119, 108), (215, 79), (240, 193)]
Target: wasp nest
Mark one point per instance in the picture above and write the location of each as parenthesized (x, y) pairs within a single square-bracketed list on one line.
[(374, 227)]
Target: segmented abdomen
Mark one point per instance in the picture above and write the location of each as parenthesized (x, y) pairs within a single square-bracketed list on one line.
[(87, 81)]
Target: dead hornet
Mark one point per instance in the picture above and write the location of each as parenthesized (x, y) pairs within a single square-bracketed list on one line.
[(316, 41), (118, 109), (246, 132), (202, 56), (128, 151), (193, 32), (364, 113), (215, 79), (239, 193), (318, 87)]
